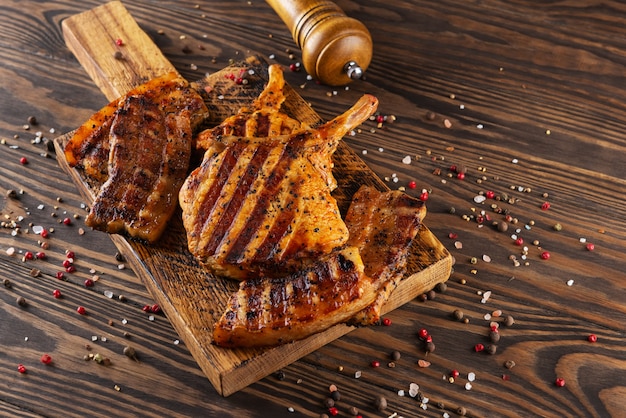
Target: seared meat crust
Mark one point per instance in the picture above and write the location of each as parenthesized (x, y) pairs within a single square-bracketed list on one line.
[(267, 312), (263, 205), (146, 137)]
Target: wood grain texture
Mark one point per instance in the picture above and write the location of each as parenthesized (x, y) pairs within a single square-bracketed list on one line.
[(519, 68), (192, 298)]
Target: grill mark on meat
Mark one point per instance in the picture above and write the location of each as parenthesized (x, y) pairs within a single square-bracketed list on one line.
[(270, 311), (270, 193), (235, 201), (210, 198)]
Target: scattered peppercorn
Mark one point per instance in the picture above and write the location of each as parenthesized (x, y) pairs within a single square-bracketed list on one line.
[(21, 301), (509, 364), (441, 287), (492, 348), (430, 346), (130, 353), (335, 395), (509, 320), (457, 314), (354, 411), (461, 411), (380, 403), (6, 283), (395, 355), (81, 310), (46, 359), (592, 338), (494, 336), (559, 382), (502, 226), (21, 368)]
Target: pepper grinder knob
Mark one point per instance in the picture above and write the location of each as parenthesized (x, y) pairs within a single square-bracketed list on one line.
[(336, 49)]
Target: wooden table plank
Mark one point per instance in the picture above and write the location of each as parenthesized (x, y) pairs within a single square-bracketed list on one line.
[(519, 68)]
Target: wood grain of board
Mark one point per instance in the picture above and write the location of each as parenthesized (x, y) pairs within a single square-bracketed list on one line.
[(192, 298)]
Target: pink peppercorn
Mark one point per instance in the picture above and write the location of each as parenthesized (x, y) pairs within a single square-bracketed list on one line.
[(545, 255), (519, 241), (559, 382), (333, 411), (146, 308), (412, 184), (23, 161), (479, 347), (454, 373), (592, 338), (70, 269), (28, 255), (460, 175), (489, 194), (56, 293), (46, 359), (386, 322), (590, 246), (21, 368), (155, 308), (375, 363), (67, 262), (424, 196), (422, 333), (89, 283), (81, 310), (69, 254), (40, 255), (44, 233), (60, 275), (545, 206), (119, 42), (67, 221)]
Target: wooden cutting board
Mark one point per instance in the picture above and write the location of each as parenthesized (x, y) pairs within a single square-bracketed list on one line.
[(192, 298)]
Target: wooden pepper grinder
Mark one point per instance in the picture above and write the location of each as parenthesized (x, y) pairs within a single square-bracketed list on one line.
[(336, 49)]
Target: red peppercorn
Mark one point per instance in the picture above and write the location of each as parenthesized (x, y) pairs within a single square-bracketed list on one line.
[(70, 269), (333, 411), (545, 255), (294, 67), (67, 263), (119, 42), (44, 233), (69, 254), (424, 196), (386, 322), (146, 308), (545, 206), (60, 275), (592, 338), (422, 333), (412, 184), (46, 359), (28, 255), (460, 175), (480, 219), (375, 363), (560, 382), (89, 283), (155, 308), (479, 347), (67, 221), (81, 310), (429, 338), (454, 373), (590, 246), (23, 161), (21, 368), (40, 255), (380, 118), (56, 293), (453, 168), (489, 194), (453, 235), (519, 241)]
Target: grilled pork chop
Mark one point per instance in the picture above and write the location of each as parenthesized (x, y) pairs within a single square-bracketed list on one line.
[(271, 311), (139, 146), (267, 312), (262, 119), (263, 205), (382, 226)]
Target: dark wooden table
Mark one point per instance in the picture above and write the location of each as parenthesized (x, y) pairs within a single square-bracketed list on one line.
[(526, 98)]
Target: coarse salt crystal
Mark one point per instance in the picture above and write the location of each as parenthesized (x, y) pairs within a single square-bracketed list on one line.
[(401, 392), (357, 374), (487, 316), (570, 282), (458, 245), (108, 294), (406, 160), (176, 342), (583, 240), (479, 198), (10, 251), (514, 160), (364, 152), (37, 229), (486, 258), (124, 321), (471, 376), (468, 386), (480, 126)]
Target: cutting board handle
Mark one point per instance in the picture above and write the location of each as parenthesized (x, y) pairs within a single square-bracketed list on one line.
[(116, 53)]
